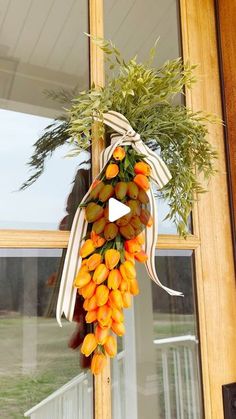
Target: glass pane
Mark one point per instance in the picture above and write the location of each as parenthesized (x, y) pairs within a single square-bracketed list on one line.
[(36, 364), (43, 48), (134, 26), (157, 370)]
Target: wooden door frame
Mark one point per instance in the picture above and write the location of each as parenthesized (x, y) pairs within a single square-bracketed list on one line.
[(214, 257), (226, 31)]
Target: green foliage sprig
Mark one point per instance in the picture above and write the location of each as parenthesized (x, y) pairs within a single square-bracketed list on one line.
[(145, 95)]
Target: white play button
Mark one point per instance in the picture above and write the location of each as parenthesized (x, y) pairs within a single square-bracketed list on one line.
[(116, 209)]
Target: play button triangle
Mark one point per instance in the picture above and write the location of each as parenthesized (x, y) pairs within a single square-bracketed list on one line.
[(116, 209)]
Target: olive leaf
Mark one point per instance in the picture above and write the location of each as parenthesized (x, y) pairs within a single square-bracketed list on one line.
[(144, 94)]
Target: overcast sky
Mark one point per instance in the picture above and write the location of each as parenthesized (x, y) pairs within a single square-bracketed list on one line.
[(42, 205)]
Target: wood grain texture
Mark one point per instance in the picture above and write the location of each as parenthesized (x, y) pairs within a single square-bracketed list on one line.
[(38, 239), (50, 239), (97, 73), (102, 382), (214, 257), (226, 12)]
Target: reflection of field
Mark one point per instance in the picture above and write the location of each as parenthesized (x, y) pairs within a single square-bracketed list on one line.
[(21, 387), (169, 325), (55, 364)]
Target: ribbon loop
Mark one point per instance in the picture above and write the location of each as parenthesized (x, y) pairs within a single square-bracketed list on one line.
[(124, 135)]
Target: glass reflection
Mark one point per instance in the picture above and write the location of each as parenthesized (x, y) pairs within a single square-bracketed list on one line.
[(44, 204), (134, 27), (35, 359), (157, 371), (43, 49)]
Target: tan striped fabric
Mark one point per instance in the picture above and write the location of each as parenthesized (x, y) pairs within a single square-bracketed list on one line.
[(160, 175)]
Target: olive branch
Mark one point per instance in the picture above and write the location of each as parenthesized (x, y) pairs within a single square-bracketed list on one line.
[(145, 96)]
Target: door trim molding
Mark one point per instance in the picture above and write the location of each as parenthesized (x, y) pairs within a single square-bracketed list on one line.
[(214, 257), (102, 382)]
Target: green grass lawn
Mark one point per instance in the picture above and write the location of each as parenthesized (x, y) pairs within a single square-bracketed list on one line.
[(52, 364), (168, 325)]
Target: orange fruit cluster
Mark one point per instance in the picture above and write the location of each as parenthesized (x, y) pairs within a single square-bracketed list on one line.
[(107, 277)]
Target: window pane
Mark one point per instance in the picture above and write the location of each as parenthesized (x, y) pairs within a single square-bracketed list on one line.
[(157, 370), (134, 26), (36, 362), (43, 49)]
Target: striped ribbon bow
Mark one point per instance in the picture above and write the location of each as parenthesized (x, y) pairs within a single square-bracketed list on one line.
[(160, 175)]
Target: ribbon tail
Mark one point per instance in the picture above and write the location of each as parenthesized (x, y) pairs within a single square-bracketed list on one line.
[(150, 248), (67, 293)]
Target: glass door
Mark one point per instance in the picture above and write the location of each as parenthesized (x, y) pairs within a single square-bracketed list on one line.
[(157, 374), (44, 61), (157, 369)]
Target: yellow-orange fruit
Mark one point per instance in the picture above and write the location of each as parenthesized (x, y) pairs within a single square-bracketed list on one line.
[(110, 346), (96, 189), (129, 269), (142, 168), (115, 299), (112, 257), (93, 212), (142, 182), (126, 297), (100, 274), (93, 261), (106, 193), (143, 197), (104, 315), (134, 288), (129, 256), (83, 267), (97, 240), (134, 206), (123, 221), (98, 363), (101, 334), (99, 225), (112, 171), (132, 190), (92, 303), (119, 153), (141, 256), (128, 232), (140, 238), (91, 316), (117, 315), (136, 222), (110, 231), (87, 248), (146, 218), (123, 272), (88, 290), (85, 304), (121, 190), (84, 262), (132, 246), (102, 294), (114, 279), (82, 279), (106, 213), (89, 344), (124, 285), (118, 328)]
